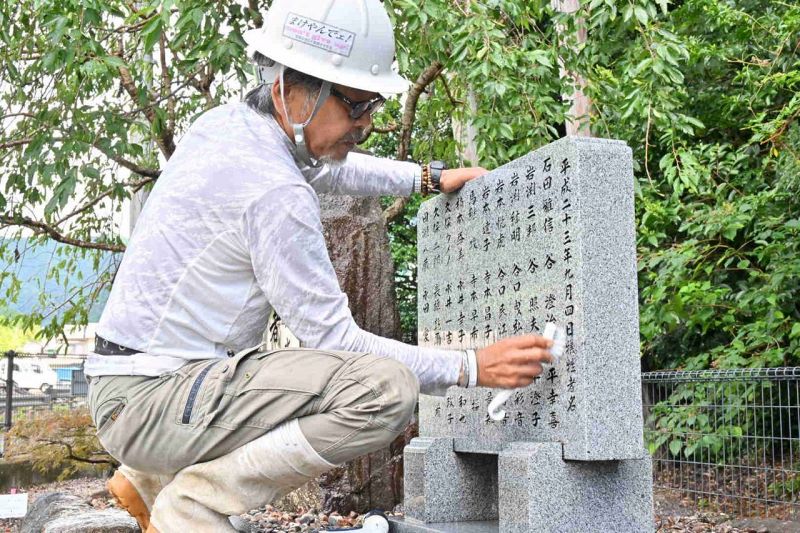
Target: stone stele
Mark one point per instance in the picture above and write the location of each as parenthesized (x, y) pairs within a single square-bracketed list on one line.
[(549, 237)]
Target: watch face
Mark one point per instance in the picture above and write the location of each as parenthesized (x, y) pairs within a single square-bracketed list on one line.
[(438, 165)]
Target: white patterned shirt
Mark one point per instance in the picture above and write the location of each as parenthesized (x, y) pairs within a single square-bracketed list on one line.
[(232, 230)]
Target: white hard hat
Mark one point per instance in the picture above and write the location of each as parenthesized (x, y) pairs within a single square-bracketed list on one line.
[(349, 42)]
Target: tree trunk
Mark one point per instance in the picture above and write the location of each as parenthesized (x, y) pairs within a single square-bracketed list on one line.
[(466, 133), (578, 122)]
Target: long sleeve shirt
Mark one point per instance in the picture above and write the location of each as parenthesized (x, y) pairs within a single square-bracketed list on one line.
[(231, 231)]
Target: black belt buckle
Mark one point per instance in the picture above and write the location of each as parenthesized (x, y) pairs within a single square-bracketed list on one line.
[(105, 347)]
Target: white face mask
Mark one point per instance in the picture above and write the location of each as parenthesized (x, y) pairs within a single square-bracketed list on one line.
[(298, 130)]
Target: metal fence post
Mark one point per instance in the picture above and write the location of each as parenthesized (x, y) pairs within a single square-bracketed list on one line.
[(9, 386)]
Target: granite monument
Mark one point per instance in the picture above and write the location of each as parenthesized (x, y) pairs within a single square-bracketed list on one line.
[(549, 237)]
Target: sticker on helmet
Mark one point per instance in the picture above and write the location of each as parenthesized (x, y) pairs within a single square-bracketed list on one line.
[(318, 34)]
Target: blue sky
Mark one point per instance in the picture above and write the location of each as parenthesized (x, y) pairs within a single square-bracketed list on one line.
[(32, 267)]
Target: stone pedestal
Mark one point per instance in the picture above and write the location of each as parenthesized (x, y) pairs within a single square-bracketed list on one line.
[(537, 491), (409, 525)]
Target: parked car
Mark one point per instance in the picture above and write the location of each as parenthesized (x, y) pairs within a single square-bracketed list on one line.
[(32, 374)]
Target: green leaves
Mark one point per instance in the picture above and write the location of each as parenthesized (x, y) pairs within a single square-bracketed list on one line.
[(86, 91), (62, 193), (151, 33), (501, 52), (706, 93), (675, 447), (719, 268)]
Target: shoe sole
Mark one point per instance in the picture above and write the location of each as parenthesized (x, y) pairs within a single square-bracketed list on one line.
[(128, 498)]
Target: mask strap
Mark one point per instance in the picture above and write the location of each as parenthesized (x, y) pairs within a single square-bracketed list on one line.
[(261, 76), (299, 129)]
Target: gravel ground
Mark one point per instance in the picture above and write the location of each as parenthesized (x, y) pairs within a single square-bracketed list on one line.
[(672, 514), (271, 520)]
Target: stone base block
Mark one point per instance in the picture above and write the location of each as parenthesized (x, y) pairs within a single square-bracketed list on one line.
[(444, 486), (541, 492), (409, 525), (527, 488)]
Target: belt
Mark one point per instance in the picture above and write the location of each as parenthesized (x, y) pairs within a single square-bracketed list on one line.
[(104, 347)]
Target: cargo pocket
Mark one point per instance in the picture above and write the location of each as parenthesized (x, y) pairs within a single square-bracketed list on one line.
[(106, 417), (268, 388), (205, 389), (198, 398)]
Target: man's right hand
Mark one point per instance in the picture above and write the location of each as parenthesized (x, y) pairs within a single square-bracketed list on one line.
[(513, 362)]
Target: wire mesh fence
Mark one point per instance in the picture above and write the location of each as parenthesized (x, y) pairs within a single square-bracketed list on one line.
[(727, 439), (30, 383)]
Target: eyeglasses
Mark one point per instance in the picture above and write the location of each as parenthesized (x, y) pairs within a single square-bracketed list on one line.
[(359, 109)]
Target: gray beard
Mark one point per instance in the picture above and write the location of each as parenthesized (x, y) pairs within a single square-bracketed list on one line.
[(333, 164)]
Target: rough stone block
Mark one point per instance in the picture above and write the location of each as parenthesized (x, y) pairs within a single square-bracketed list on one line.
[(539, 492), (444, 486), (542, 493)]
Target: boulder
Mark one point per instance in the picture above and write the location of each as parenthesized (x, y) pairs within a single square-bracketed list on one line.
[(358, 245), (55, 512)]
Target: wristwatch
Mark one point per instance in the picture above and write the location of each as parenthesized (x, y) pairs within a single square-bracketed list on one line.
[(436, 169)]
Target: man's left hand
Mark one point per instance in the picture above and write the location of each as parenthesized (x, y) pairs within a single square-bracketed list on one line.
[(454, 178)]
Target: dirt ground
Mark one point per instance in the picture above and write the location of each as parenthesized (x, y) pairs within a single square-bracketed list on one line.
[(676, 512)]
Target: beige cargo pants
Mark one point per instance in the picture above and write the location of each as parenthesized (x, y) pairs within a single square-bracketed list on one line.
[(347, 405)]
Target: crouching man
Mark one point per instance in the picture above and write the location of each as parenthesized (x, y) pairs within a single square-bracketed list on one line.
[(205, 422)]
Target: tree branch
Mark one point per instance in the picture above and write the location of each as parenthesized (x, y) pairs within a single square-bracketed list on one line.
[(130, 165), (258, 20), (410, 112), (41, 228), (18, 142), (165, 140), (148, 109), (453, 101), (96, 284), (71, 453), (202, 85), (393, 212), (166, 83), (372, 128), (135, 185), (152, 173), (20, 114), (407, 125), (389, 128)]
